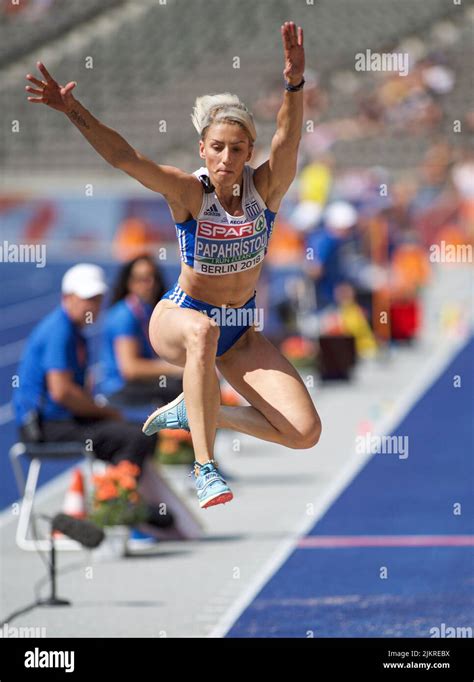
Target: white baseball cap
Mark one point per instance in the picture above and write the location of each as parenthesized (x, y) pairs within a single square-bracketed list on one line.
[(306, 215), (340, 215), (84, 280)]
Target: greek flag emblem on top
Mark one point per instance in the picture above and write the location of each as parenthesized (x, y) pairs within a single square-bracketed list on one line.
[(253, 209)]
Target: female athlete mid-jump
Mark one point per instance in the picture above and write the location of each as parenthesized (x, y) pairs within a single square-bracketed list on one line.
[(224, 214)]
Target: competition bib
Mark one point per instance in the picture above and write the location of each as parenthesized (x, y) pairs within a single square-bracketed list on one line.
[(222, 249)]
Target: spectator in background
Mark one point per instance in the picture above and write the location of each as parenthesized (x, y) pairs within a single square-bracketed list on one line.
[(315, 180), (434, 173), (354, 321), (51, 401), (133, 374), (325, 250), (409, 268), (132, 238)]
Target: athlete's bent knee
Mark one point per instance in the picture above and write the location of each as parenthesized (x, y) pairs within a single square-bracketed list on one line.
[(306, 437)]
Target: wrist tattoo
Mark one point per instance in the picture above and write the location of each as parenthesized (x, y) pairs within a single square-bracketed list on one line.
[(78, 118)]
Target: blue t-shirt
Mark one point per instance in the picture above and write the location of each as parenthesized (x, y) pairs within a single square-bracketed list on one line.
[(128, 318), (326, 249), (55, 343)]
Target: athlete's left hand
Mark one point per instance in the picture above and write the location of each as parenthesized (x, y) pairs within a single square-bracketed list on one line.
[(294, 52)]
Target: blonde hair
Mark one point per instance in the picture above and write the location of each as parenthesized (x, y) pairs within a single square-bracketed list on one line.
[(210, 109)]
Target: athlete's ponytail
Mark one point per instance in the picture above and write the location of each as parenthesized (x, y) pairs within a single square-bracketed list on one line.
[(210, 109)]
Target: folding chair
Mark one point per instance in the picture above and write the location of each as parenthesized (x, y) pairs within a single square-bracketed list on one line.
[(36, 453)]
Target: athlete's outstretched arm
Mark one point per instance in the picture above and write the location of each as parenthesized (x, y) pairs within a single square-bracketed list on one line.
[(277, 174), (172, 182)]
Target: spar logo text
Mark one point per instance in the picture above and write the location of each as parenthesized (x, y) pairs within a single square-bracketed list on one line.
[(218, 231)]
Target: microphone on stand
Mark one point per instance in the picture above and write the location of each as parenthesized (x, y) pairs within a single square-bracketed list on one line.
[(85, 532)]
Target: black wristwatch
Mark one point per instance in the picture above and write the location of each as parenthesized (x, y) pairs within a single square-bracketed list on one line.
[(294, 88)]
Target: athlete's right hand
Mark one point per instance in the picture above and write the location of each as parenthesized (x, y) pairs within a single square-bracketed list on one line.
[(49, 92)]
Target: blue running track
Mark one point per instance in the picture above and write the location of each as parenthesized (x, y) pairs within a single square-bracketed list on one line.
[(397, 518)]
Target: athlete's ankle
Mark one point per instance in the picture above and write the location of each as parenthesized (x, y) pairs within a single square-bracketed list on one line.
[(203, 462), (197, 466)]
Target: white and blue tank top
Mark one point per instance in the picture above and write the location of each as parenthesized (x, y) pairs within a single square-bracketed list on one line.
[(217, 243)]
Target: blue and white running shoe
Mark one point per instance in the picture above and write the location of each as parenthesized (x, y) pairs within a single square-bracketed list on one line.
[(210, 486), (170, 416)]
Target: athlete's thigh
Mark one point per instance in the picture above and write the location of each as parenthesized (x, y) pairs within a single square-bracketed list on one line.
[(169, 328), (264, 377)]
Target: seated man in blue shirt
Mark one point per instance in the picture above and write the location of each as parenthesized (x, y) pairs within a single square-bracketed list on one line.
[(52, 376)]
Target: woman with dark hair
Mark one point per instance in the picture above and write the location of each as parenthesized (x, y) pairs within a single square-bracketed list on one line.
[(132, 373), (134, 269)]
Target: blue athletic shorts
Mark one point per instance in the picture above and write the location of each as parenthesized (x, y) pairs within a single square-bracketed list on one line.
[(233, 322)]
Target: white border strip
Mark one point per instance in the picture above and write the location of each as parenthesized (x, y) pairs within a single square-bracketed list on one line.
[(430, 372)]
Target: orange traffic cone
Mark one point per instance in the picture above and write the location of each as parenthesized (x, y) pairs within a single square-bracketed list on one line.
[(74, 500)]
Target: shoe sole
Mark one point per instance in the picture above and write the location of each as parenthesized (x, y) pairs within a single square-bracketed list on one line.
[(159, 411), (220, 498)]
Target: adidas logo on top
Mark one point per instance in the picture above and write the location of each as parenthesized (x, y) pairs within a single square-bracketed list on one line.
[(212, 210)]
